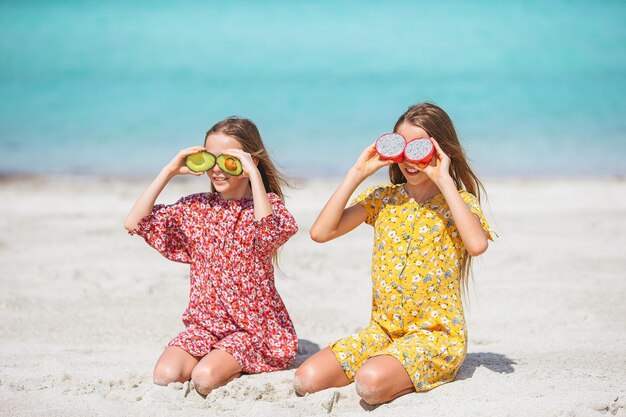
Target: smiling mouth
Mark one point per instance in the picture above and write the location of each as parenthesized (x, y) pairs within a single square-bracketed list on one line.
[(412, 170), (219, 179)]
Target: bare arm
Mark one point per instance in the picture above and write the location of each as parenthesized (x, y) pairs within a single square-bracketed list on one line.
[(262, 205), (144, 204), (467, 223), (336, 219)]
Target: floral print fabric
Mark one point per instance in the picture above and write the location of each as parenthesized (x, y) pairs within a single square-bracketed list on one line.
[(233, 303), (417, 314)]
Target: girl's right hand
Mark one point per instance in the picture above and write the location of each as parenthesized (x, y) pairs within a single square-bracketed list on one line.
[(370, 162), (177, 165)]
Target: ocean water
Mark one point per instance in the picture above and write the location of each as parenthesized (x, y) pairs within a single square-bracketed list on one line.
[(117, 88)]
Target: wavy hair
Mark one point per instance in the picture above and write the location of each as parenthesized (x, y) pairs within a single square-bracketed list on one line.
[(246, 133), (436, 122)]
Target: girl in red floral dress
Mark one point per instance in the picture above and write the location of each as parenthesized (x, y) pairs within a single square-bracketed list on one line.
[(235, 321)]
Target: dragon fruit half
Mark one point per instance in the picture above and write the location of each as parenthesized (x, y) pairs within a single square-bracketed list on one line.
[(391, 146), (419, 151)]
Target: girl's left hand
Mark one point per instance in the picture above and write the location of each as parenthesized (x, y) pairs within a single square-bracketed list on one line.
[(439, 166), (247, 162)]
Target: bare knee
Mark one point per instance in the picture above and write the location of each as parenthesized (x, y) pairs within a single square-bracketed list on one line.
[(206, 379), (165, 373), (307, 380), (302, 380), (370, 386)]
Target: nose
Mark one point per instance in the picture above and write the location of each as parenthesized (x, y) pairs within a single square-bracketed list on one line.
[(216, 169)]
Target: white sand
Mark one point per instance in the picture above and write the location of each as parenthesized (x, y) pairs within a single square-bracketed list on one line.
[(85, 310)]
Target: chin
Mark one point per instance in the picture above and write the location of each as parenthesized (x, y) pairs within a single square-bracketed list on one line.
[(220, 187), (415, 178), (230, 187)]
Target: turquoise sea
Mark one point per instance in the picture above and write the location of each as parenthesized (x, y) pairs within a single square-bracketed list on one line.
[(117, 88)]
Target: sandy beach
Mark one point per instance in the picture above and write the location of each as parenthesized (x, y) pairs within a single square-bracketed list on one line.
[(85, 309)]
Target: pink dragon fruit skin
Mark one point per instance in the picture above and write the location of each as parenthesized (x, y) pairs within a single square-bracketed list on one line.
[(390, 146), (419, 151)]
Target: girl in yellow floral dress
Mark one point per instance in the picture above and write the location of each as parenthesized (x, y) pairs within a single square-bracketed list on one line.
[(427, 225)]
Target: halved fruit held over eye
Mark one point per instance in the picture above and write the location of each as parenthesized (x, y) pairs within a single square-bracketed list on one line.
[(391, 146), (419, 151), (200, 161), (229, 165)]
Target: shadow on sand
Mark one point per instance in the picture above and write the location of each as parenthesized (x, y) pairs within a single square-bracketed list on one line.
[(306, 349), (495, 362)]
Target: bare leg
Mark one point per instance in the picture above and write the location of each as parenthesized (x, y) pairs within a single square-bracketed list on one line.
[(382, 379), (215, 370), (174, 365), (319, 372)]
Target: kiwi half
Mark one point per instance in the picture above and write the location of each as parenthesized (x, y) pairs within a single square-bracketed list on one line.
[(229, 165), (200, 161)]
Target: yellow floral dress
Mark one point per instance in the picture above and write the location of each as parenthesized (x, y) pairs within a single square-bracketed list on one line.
[(417, 314)]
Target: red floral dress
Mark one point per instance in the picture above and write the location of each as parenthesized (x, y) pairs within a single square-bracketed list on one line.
[(233, 303)]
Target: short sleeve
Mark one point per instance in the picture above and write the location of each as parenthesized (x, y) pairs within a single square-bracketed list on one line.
[(474, 206), (163, 230), (273, 230), (372, 201)]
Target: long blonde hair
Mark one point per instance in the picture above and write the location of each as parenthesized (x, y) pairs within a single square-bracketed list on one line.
[(436, 122), (246, 133)]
